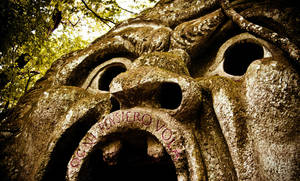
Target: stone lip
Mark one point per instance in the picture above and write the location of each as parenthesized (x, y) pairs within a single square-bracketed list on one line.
[(178, 142)]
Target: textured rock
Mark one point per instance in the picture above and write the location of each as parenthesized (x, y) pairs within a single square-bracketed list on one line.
[(187, 90)]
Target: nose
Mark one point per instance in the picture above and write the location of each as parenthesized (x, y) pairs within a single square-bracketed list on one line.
[(159, 80), (156, 97)]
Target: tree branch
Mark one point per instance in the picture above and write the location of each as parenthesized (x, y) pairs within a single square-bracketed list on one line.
[(75, 23), (125, 9), (56, 17), (30, 75), (99, 17)]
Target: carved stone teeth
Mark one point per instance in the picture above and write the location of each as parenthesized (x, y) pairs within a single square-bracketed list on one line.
[(111, 152), (154, 149)]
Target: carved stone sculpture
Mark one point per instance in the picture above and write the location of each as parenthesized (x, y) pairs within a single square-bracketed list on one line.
[(188, 90)]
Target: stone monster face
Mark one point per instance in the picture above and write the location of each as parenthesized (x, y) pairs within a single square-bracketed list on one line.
[(180, 92)]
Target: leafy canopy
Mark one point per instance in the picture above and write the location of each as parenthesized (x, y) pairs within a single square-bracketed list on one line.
[(34, 33)]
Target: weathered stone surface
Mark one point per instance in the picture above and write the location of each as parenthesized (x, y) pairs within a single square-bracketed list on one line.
[(184, 91)]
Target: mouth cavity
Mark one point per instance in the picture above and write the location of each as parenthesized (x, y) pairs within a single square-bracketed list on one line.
[(134, 155), (136, 144)]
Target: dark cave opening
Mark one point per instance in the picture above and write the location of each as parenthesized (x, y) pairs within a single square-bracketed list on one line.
[(170, 95), (133, 163)]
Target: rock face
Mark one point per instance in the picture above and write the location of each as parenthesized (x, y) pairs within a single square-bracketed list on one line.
[(184, 91)]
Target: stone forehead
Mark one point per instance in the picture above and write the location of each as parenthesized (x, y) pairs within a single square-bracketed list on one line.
[(170, 25)]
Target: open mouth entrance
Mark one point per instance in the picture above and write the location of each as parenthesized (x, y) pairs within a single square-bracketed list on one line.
[(130, 161)]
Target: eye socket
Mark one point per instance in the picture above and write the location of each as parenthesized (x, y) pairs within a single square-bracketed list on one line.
[(240, 55), (108, 76), (101, 77)]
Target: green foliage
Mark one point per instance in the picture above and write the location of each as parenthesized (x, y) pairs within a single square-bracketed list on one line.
[(34, 33)]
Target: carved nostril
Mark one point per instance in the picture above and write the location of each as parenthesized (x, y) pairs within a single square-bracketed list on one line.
[(170, 95), (239, 56), (115, 105), (108, 76)]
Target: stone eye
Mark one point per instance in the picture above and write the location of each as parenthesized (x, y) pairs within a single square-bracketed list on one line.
[(236, 54), (108, 75), (101, 77), (240, 55)]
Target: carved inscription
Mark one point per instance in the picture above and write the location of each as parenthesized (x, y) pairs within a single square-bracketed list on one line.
[(89, 142), (167, 136)]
